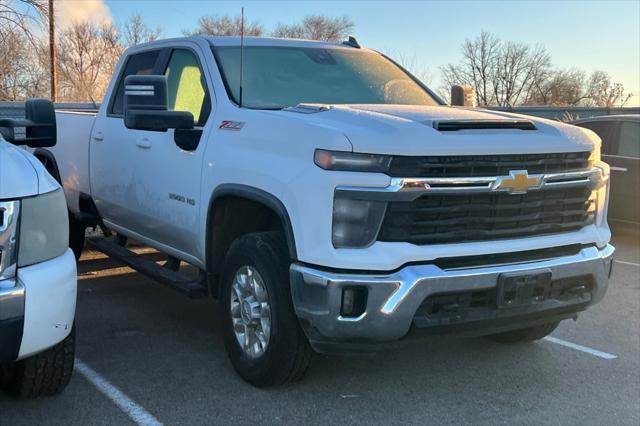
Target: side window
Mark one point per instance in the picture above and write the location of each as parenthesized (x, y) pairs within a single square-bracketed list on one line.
[(187, 90), (606, 130), (140, 64), (629, 139)]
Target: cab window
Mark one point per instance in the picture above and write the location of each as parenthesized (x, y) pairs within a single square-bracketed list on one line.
[(187, 90), (629, 139), (139, 64)]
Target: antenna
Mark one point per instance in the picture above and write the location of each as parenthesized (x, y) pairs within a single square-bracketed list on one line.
[(241, 53)]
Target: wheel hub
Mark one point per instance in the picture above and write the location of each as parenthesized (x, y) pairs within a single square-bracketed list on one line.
[(250, 311)]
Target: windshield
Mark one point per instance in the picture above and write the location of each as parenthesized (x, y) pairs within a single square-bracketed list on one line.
[(280, 77)]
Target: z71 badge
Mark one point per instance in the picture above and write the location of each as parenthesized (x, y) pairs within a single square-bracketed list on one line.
[(231, 125)]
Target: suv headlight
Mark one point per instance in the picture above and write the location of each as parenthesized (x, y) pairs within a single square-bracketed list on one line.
[(44, 228), (601, 188)]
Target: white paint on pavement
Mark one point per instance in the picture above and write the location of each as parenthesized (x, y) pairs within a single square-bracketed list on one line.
[(627, 263), (135, 412), (580, 348)]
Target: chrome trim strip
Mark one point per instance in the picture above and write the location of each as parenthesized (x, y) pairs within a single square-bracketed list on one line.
[(12, 295), (10, 211), (489, 184)]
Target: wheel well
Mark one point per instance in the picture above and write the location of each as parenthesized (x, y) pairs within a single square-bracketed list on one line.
[(49, 162), (233, 215)]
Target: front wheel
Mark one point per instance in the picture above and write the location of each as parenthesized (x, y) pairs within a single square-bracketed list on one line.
[(528, 334), (43, 374), (263, 338)]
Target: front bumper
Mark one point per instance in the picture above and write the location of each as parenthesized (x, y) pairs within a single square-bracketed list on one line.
[(37, 308), (396, 303)]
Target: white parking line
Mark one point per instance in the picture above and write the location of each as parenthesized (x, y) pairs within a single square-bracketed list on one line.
[(135, 412), (627, 263), (580, 348)]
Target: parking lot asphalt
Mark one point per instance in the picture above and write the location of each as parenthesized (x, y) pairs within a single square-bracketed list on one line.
[(154, 356)]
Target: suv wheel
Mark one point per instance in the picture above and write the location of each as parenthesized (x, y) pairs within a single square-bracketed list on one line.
[(528, 334), (44, 374), (261, 332)]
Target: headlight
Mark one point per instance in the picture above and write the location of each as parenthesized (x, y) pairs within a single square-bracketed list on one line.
[(44, 228), (350, 162), (356, 223)]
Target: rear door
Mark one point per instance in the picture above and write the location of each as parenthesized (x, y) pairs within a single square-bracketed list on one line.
[(113, 153)]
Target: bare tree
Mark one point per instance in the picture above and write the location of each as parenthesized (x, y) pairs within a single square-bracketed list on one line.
[(225, 26), (136, 31), (13, 13), (88, 53), (317, 27), (604, 92), (560, 87), (479, 62)]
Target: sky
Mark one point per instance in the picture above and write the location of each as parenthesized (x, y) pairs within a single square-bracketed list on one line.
[(589, 35)]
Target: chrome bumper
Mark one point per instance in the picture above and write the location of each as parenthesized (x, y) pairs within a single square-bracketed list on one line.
[(12, 299), (393, 299)]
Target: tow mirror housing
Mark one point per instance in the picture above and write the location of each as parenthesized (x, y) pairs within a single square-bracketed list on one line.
[(146, 107), (463, 96), (39, 125)]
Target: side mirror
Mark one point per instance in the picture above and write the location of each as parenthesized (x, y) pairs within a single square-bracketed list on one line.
[(463, 96), (145, 105), (39, 125)]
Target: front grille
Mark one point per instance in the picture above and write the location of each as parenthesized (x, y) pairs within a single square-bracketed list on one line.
[(458, 218), (487, 165)]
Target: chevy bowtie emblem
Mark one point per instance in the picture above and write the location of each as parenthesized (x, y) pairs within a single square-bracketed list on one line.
[(518, 182)]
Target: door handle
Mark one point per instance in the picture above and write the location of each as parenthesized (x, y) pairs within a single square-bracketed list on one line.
[(144, 143), (98, 137), (618, 169)]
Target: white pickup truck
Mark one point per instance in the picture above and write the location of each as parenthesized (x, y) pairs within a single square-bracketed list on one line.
[(333, 202), (37, 268)]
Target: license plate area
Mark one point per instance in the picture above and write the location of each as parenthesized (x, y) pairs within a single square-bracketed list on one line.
[(521, 289)]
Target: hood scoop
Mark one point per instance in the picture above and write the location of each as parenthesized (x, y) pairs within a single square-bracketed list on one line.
[(455, 125)]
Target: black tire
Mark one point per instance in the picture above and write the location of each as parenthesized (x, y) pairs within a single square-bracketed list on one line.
[(76, 236), (44, 374), (288, 354), (528, 334)]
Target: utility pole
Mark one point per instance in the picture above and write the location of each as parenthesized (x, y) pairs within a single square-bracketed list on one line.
[(53, 53)]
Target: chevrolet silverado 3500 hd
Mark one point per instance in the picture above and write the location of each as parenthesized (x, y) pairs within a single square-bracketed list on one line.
[(333, 202), (37, 268)]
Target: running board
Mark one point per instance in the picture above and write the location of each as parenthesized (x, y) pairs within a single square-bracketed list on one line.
[(174, 280)]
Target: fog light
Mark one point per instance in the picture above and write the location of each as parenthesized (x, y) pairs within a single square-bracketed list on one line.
[(354, 301)]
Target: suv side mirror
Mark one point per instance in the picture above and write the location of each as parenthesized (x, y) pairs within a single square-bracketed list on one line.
[(145, 105), (39, 125)]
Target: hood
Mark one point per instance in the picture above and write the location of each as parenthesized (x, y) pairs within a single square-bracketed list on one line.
[(21, 174), (409, 130)]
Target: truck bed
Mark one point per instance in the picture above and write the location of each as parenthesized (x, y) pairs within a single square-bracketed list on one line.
[(74, 138)]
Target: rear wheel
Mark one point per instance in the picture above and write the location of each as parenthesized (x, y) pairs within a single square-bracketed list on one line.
[(44, 374), (263, 338), (528, 334)]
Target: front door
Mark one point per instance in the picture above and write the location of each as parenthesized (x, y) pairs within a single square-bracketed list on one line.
[(624, 159), (169, 164)]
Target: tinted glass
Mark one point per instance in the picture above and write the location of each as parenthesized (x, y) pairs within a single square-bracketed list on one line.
[(140, 64), (606, 131), (277, 77), (629, 139), (185, 85)]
